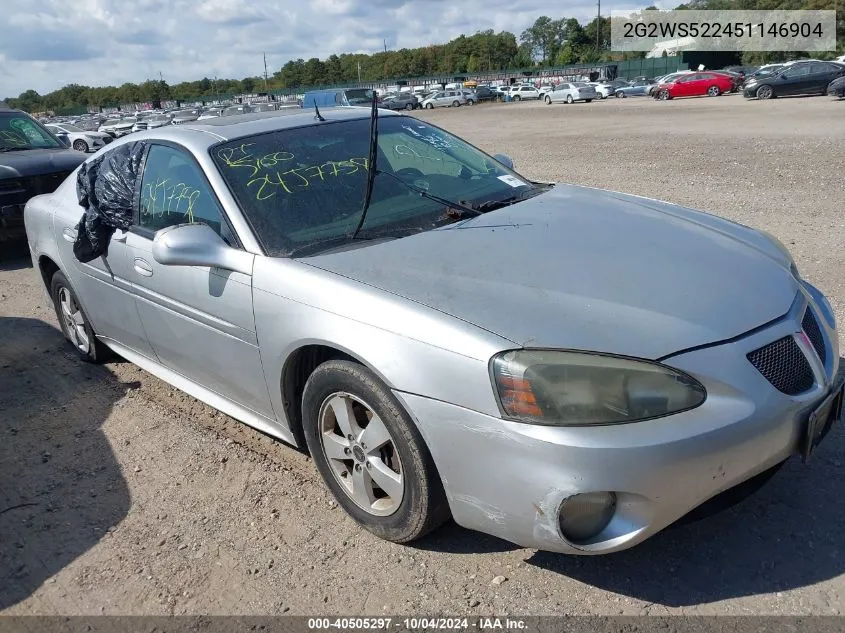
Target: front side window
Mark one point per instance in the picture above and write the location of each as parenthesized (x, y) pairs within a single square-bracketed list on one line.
[(303, 187), (799, 70), (20, 132), (174, 191)]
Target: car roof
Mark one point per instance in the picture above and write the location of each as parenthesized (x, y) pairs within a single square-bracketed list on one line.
[(202, 134)]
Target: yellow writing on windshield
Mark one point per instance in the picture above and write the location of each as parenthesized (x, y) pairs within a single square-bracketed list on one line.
[(292, 180), (13, 139)]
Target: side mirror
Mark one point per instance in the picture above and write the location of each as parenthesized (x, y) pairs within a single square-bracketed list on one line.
[(505, 160), (198, 245)]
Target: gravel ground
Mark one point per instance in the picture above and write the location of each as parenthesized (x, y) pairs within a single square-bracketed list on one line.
[(121, 495)]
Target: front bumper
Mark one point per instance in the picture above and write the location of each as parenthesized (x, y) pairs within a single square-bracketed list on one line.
[(510, 479)]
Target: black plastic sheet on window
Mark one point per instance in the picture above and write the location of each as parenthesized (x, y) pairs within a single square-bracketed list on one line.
[(105, 188)]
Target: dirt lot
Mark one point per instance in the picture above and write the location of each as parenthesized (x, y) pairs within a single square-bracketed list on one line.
[(120, 495)]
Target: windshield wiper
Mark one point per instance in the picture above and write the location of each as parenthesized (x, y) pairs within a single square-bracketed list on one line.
[(371, 173), (460, 206), (491, 205)]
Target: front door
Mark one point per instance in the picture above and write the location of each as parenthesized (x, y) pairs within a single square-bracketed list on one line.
[(795, 80), (198, 320)]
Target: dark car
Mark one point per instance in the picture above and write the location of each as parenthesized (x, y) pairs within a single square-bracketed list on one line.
[(800, 78), (401, 101), (32, 161), (837, 88), (485, 93)]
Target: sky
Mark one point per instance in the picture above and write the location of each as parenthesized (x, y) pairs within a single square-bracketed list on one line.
[(50, 43)]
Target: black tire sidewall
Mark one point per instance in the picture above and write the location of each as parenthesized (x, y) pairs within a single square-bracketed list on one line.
[(423, 505), (96, 350)]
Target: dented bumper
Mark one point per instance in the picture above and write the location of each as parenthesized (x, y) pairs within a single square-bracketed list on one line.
[(509, 479)]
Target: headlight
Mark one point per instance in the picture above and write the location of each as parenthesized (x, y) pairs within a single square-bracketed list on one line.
[(559, 388), (824, 305)]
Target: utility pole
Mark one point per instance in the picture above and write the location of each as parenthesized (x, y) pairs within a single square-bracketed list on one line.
[(598, 28), (385, 45), (265, 72), (359, 72)]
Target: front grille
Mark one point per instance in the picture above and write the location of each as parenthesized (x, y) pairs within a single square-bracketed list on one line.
[(784, 365), (811, 328)]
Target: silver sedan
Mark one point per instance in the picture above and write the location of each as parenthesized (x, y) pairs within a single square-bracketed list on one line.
[(571, 92), (445, 336)]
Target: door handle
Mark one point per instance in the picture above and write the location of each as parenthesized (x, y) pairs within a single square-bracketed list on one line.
[(69, 234), (142, 267)]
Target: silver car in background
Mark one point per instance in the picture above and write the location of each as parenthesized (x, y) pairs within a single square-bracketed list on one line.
[(445, 99), (446, 337), (571, 92)]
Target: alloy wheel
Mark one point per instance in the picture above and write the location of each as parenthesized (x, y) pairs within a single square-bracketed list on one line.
[(73, 320), (361, 454)]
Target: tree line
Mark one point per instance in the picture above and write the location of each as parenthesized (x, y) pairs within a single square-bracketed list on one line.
[(547, 42)]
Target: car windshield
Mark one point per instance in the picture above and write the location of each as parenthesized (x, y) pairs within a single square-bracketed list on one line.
[(303, 189), (19, 132)]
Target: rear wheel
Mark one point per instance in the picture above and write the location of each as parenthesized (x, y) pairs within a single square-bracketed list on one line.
[(620, 94), (456, 104), (765, 92), (74, 323), (409, 106), (370, 454), (517, 98), (587, 100), (429, 106), (713, 91)]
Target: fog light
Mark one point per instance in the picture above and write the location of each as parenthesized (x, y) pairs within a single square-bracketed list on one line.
[(583, 516)]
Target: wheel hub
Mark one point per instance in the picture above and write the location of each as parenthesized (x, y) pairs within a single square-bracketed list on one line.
[(358, 453)]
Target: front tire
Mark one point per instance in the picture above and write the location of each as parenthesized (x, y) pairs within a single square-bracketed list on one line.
[(409, 106), (765, 92), (370, 454), (517, 98), (569, 99), (470, 102), (429, 106), (548, 100), (664, 95), (80, 146), (620, 94), (74, 323), (587, 100)]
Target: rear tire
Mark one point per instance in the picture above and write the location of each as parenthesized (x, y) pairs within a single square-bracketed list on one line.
[(517, 98), (429, 106), (713, 91), (74, 322), (342, 393), (409, 106), (587, 100), (620, 94), (456, 104)]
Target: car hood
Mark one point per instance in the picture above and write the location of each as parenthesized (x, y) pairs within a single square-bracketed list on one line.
[(582, 268), (34, 162)]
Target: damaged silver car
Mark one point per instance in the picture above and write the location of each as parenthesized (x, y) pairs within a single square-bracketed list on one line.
[(566, 368)]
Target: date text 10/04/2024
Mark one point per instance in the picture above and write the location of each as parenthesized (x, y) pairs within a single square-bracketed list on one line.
[(418, 623)]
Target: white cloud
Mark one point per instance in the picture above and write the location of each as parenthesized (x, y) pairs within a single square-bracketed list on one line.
[(50, 43)]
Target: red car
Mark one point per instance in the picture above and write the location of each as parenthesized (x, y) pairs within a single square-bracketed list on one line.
[(695, 85)]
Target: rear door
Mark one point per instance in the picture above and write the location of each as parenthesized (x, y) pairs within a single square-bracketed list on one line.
[(198, 320), (103, 285), (795, 80)]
